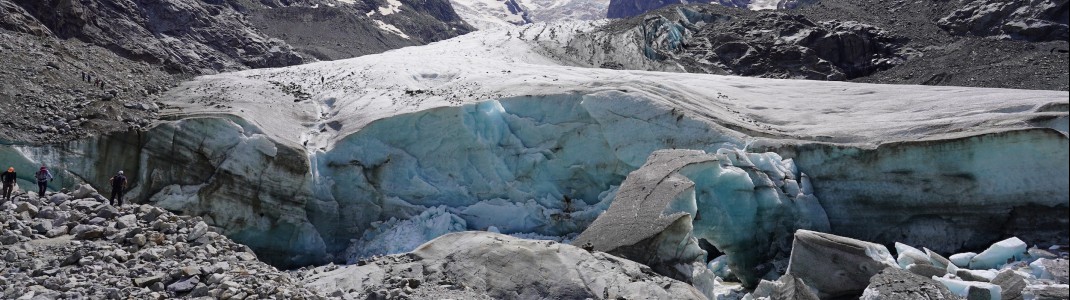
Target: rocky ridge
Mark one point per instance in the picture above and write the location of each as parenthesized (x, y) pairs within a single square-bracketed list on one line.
[(76, 245), (895, 42)]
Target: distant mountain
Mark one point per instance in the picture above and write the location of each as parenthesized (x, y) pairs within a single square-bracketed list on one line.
[(631, 8), (485, 14)]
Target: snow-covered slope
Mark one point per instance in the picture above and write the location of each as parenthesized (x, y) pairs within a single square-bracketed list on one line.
[(497, 128), (488, 14)]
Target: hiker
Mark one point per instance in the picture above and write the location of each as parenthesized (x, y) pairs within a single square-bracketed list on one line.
[(118, 186), (43, 177), (9, 182)]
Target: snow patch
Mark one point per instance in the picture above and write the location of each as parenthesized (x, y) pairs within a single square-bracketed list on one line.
[(391, 29), (392, 6)]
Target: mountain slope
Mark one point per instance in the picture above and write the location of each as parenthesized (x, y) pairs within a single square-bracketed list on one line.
[(77, 68), (487, 14), (931, 43)]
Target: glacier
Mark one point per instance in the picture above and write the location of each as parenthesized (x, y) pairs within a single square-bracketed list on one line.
[(501, 128)]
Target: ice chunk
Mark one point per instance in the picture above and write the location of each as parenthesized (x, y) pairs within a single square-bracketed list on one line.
[(962, 260), (396, 236), (962, 288), (999, 254), (909, 255), (719, 266)]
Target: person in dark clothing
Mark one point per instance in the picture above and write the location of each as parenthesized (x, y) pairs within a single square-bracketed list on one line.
[(9, 182), (118, 187), (43, 177)]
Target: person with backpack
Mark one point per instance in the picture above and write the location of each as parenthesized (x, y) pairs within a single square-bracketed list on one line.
[(9, 182), (43, 177), (118, 187)]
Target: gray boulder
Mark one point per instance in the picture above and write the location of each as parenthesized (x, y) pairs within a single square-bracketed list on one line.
[(478, 264), (836, 266), (897, 284), (788, 287), (1011, 285)]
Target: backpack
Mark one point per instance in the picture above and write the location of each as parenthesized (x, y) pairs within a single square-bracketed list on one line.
[(42, 175), (118, 181)]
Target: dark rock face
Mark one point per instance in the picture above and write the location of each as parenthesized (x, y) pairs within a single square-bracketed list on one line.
[(771, 44), (1035, 20), (330, 33), (185, 36), (889, 42), (631, 8)]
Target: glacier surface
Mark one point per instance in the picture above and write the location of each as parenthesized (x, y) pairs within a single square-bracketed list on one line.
[(507, 128)]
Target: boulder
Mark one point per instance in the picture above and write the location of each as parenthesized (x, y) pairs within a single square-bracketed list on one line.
[(788, 287), (1011, 285), (927, 271), (897, 284), (471, 263), (27, 208), (836, 266), (87, 232), (83, 191)]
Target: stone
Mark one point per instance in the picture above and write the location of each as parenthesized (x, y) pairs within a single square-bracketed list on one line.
[(83, 191), (87, 232), (1058, 269), (200, 290), (1046, 292), (8, 239), (836, 266), (126, 221), (215, 278), (112, 293), (107, 212), (190, 271), (57, 231), (183, 286), (514, 269), (976, 293), (1011, 285), (42, 227), (197, 232), (152, 214), (57, 199), (27, 207), (245, 256), (927, 271), (788, 287), (146, 281), (139, 239)]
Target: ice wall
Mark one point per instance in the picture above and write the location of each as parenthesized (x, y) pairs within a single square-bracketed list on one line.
[(510, 163), (950, 194), (220, 168)]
